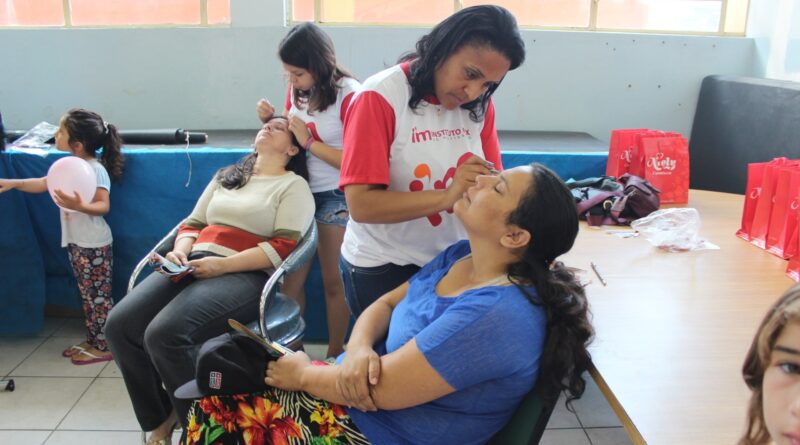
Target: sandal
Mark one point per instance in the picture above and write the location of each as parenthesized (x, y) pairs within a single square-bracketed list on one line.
[(167, 440), (93, 358), (75, 349)]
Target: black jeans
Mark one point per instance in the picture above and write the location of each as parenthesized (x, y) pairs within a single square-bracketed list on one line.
[(155, 331)]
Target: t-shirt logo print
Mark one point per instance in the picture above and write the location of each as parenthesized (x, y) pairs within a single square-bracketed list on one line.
[(424, 171)]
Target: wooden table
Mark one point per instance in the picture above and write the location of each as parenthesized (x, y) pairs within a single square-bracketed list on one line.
[(673, 328)]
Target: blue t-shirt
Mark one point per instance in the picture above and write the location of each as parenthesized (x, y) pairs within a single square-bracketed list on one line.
[(485, 343)]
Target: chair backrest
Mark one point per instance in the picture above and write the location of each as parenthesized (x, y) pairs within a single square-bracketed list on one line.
[(527, 424), (302, 253), (162, 248)]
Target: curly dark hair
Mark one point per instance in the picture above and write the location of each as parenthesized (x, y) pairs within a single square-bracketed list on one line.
[(237, 175), (547, 212), (88, 128), (483, 25), (307, 46)]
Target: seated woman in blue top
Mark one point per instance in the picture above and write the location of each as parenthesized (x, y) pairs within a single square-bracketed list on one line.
[(458, 345)]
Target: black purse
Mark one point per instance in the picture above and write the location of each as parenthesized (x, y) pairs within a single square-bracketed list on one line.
[(603, 200)]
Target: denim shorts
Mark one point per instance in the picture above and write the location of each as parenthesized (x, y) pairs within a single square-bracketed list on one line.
[(331, 208)]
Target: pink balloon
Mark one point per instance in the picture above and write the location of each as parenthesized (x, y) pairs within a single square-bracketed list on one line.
[(71, 174)]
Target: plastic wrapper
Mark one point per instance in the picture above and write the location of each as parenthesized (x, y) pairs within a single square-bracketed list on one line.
[(673, 230), (37, 136)]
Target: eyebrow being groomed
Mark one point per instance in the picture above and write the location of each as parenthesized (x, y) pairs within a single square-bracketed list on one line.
[(786, 349)]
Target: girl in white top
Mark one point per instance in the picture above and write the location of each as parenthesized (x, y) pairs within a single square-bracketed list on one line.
[(416, 137), (84, 232), (319, 96)]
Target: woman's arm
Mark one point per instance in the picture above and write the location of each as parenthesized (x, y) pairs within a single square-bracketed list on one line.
[(330, 155), (29, 185), (244, 261), (407, 379), (376, 205), (361, 366)]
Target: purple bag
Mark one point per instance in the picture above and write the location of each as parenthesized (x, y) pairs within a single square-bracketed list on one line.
[(600, 203)]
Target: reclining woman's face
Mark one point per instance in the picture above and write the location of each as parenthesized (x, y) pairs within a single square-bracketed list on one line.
[(781, 387), (274, 135), (485, 206)]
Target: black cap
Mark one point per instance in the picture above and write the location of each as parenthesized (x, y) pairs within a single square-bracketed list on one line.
[(231, 363)]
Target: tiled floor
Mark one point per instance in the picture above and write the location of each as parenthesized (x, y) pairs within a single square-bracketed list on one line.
[(58, 403)]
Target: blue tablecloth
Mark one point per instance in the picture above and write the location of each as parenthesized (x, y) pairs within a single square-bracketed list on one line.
[(159, 188)]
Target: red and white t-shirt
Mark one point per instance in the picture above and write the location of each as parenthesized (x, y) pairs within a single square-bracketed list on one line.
[(388, 143), (325, 126)]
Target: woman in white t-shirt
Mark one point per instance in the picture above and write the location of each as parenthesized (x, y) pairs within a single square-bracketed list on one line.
[(84, 232), (415, 138), (318, 98)]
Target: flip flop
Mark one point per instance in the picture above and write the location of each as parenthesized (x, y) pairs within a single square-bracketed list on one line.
[(92, 358), (74, 349)]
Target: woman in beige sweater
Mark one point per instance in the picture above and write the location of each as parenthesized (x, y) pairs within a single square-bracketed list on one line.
[(248, 219)]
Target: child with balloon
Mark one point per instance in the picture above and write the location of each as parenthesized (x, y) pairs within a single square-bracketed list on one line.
[(80, 185)]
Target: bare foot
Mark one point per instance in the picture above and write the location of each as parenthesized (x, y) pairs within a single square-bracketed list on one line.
[(163, 434)]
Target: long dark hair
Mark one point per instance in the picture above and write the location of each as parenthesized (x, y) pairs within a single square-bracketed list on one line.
[(758, 358), (237, 175), (547, 212), (484, 25), (307, 46), (88, 128)]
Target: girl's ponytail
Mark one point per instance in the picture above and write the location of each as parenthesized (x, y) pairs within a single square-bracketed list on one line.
[(112, 158), (88, 128)]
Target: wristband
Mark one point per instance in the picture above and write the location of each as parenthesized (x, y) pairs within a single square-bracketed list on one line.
[(309, 141)]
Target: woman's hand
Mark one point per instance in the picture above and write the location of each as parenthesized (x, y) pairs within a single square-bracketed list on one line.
[(359, 370), (208, 267), (286, 372), (465, 177), (66, 201), (298, 127), (265, 110), (177, 257)]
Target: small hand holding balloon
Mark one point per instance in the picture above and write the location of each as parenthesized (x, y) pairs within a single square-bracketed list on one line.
[(71, 182), (68, 202)]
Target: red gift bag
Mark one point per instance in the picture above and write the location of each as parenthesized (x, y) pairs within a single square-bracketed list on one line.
[(667, 167), (785, 205), (755, 176), (763, 212), (620, 150), (793, 269), (638, 161)]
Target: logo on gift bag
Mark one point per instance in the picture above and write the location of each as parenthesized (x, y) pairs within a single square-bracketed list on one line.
[(660, 163), (755, 193), (795, 203)]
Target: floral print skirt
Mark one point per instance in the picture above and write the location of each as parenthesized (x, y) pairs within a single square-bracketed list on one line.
[(274, 416)]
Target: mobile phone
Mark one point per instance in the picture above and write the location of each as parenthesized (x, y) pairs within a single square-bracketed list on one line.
[(272, 347), (167, 266)]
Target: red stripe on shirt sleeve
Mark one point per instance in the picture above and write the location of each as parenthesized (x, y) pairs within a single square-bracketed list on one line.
[(367, 141), (345, 106), (187, 230), (283, 246), (288, 104), (491, 145)]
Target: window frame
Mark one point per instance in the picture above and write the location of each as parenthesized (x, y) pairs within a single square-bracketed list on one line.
[(67, 11), (592, 27)]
